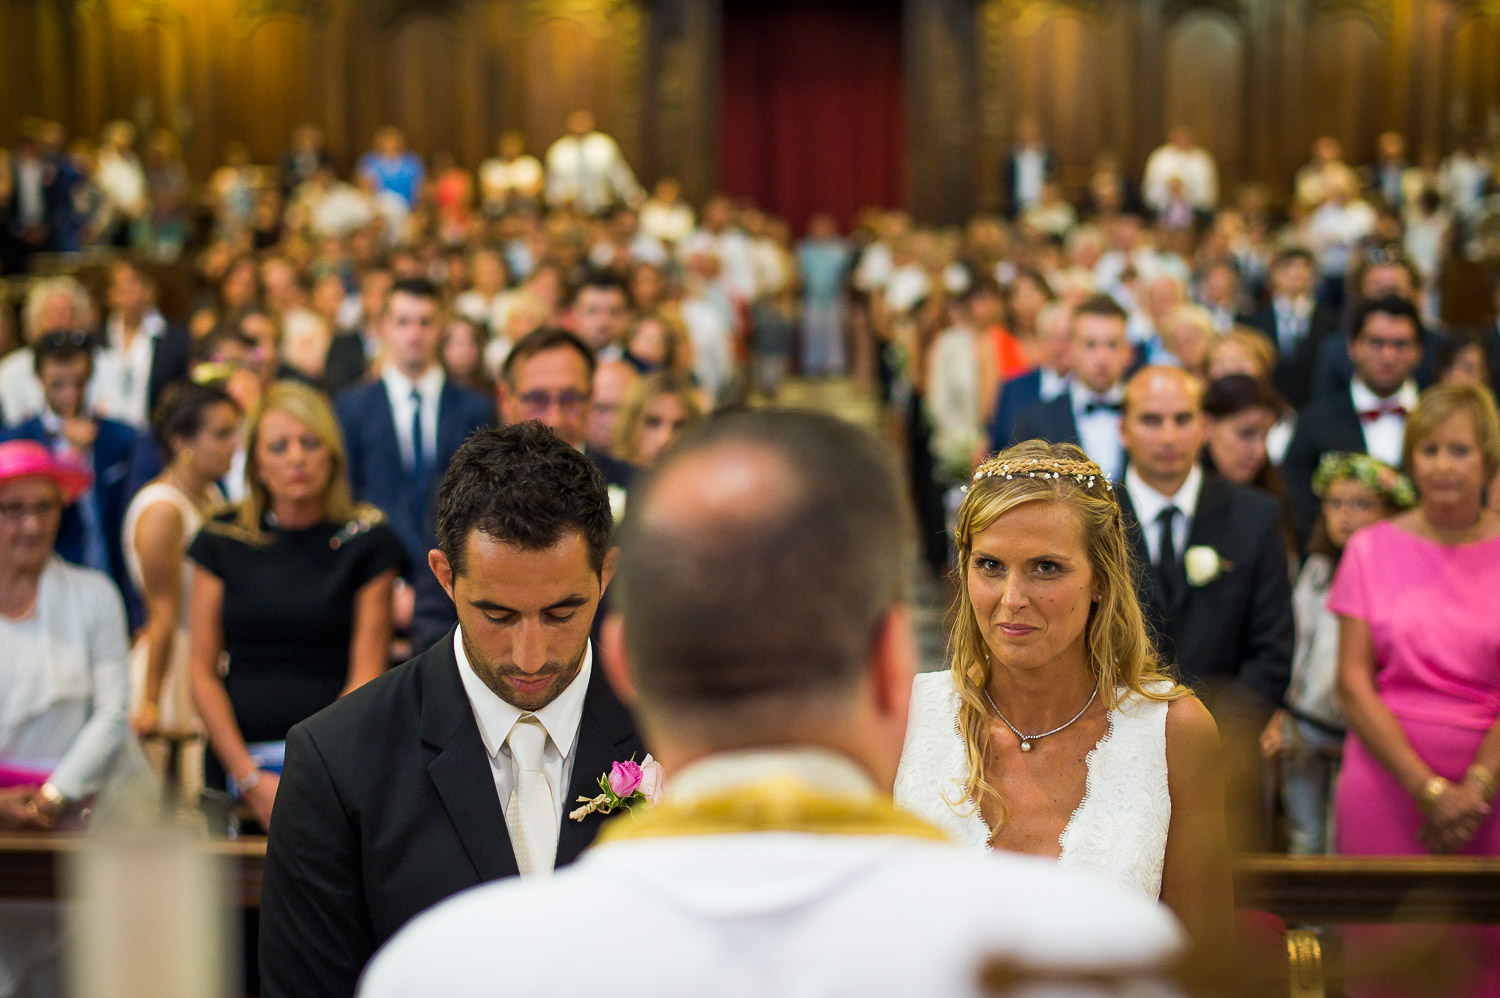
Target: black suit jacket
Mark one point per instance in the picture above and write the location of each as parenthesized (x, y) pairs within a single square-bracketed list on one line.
[(1051, 421), (1326, 424), (1334, 368), (169, 360), (1016, 395), (1234, 635), (1293, 376), (387, 806), (346, 364)]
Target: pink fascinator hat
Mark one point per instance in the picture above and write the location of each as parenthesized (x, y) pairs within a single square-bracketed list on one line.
[(29, 459)]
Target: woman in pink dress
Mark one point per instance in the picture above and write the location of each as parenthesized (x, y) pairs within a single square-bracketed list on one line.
[(1419, 654)]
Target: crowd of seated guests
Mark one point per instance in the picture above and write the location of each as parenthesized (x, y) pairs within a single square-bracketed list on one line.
[(343, 334)]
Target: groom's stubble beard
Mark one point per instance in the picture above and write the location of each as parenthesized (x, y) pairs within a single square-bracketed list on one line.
[(493, 676)]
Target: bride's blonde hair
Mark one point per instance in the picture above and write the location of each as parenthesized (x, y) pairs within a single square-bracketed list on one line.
[(1117, 647)]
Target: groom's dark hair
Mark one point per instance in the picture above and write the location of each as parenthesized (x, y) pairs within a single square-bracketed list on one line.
[(777, 603), (522, 484)]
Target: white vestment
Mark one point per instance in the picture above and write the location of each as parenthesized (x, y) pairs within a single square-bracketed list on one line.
[(793, 913)]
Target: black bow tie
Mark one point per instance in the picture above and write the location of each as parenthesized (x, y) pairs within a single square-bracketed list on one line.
[(1100, 405)]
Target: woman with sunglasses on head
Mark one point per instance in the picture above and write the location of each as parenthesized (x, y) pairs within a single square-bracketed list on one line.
[(294, 585)]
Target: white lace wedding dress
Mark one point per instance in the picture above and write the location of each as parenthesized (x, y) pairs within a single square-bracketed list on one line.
[(1119, 830)]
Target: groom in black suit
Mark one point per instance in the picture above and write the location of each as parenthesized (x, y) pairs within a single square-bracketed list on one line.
[(1212, 574), (460, 766)]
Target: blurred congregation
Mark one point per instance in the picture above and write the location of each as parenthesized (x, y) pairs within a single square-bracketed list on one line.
[(233, 374)]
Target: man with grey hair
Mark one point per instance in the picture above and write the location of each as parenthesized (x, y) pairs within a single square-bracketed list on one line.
[(765, 645), (53, 305)]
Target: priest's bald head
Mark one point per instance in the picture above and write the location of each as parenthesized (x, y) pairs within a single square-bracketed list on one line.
[(762, 591)]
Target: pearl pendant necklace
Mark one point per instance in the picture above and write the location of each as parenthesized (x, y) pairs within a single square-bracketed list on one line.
[(1026, 740)]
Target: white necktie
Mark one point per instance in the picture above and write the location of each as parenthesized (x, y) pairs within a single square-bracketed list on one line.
[(531, 815)]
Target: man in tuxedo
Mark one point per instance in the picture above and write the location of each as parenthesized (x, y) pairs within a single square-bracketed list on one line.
[(1296, 322), (1385, 272), (767, 649), (462, 765), (401, 430), (1042, 384), (1028, 166), (1088, 413), (1212, 577), (1369, 415)]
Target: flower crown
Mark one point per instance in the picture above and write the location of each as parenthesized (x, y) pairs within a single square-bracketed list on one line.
[(1372, 473), (1085, 473)]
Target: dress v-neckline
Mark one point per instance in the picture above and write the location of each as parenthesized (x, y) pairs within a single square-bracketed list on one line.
[(1088, 789)]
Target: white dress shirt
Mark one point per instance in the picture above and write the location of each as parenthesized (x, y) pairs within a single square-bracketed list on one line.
[(65, 677), (1099, 431), (1193, 166), (430, 389), (122, 374), (1052, 384), (1293, 321), (499, 178), (495, 718), (589, 171), (1383, 436), (1031, 174), (1149, 504)]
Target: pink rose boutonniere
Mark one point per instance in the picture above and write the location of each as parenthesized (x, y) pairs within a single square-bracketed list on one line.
[(626, 784)]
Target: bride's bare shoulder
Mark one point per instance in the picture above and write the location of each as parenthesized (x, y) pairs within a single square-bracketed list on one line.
[(1192, 734)]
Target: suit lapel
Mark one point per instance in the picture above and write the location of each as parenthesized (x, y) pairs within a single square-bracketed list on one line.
[(606, 735), (1061, 425), (1347, 431), (459, 767), (1207, 529), (1137, 541), (450, 425)]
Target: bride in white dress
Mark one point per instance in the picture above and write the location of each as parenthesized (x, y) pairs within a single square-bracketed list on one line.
[(1055, 732)]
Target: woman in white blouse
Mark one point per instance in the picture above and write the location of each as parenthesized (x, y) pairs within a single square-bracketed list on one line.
[(63, 680), (63, 726)]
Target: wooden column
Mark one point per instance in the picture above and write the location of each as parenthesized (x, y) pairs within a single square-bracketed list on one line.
[(681, 81), (943, 182)]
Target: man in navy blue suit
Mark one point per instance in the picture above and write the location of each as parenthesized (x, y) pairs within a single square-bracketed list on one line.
[(91, 527), (1043, 383), (1088, 413), (402, 428)]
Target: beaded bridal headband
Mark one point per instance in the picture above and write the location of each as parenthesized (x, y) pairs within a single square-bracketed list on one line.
[(1085, 473)]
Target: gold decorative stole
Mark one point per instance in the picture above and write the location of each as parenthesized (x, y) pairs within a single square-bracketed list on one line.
[(771, 805)]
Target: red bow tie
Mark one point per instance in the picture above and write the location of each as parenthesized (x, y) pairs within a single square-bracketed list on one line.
[(1385, 409)]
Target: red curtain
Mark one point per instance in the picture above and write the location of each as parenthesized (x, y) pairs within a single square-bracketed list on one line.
[(811, 111)]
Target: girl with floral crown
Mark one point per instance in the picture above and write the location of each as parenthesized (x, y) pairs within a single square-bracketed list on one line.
[(1307, 735)]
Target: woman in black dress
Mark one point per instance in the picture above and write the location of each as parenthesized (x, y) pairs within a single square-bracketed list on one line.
[(293, 585)]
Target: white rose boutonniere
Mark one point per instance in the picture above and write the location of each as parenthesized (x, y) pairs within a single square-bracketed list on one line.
[(1203, 565), (617, 499)]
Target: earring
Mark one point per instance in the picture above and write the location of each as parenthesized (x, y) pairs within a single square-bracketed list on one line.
[(185, 455)]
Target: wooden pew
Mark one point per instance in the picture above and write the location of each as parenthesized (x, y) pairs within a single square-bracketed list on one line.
[(1301, 890)]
